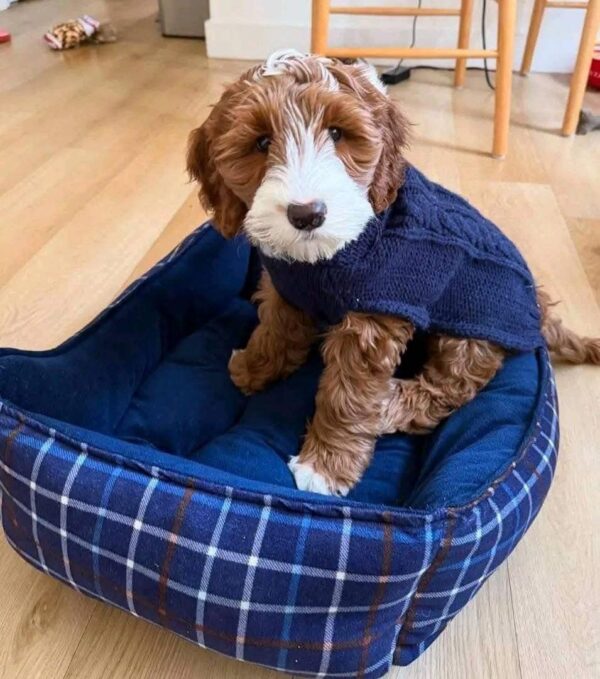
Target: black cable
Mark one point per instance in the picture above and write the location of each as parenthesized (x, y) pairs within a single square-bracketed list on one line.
[(414, 26), (414, 32), (427, 67), (484, 44), (442, 68)]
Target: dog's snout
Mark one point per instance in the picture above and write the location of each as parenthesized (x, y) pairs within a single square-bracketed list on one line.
[(307, 216)]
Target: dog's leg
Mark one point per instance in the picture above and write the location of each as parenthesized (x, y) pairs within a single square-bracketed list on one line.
[(455, 371), (279, 344), (563, 342), (360, 355)]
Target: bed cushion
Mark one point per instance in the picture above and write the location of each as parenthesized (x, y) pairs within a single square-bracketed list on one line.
[(134, 470)]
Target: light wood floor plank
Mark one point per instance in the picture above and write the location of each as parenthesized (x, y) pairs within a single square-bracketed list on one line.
[(41, 621), (139, 650), (586, 236), (554, 570)]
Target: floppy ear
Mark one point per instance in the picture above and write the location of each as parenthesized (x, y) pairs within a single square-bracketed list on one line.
[(362, 79), (389, 173), (228, 210)]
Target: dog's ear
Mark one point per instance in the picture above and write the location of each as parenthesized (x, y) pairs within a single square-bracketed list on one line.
[(362, 80), (389, 173), (228, 210)]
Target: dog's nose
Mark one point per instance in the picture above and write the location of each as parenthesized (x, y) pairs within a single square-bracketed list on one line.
[(307, 216)]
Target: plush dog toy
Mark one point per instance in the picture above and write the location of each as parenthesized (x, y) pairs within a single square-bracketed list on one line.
[(359, 248), (82, 30)]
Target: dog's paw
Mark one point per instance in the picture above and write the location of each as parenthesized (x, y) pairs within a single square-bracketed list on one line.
[(308, 479), (247, 375)]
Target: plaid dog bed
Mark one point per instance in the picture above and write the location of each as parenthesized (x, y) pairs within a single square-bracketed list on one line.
[(247, 565)]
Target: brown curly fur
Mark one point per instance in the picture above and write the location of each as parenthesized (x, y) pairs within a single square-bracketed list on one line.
[(456, 369), (358, 398), (564, 344), (278, 346), (361, 355)]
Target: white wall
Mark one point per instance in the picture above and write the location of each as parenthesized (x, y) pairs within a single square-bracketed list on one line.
[(251, 29)]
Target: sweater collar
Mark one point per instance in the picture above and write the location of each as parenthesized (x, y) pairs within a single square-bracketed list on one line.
[(358, 250)]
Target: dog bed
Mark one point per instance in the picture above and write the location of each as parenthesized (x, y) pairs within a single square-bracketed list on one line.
[(133, 470)]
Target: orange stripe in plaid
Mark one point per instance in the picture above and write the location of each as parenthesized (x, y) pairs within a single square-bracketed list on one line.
[(424, 584), (259, 642), (10, 440), (386, 570), (532, 468), (175, 530)]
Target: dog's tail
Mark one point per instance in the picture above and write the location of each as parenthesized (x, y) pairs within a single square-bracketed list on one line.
[(564, 343)]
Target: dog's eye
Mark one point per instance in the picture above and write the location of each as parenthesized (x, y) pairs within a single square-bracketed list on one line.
[(263, 143), (335, 133)]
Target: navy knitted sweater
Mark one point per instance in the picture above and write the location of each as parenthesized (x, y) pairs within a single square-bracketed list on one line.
[(432, 258)]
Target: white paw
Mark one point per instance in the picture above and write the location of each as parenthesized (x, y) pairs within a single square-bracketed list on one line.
[(308, 479)]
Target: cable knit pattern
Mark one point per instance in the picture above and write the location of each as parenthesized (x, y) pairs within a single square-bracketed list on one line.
[(430, 257)]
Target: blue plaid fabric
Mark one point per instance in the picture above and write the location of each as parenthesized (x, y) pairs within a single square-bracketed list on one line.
[(315, 589)]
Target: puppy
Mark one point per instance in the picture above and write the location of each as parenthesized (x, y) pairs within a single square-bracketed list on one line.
[(305, 154)]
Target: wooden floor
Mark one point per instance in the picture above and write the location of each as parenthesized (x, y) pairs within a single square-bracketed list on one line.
[(93, 191)]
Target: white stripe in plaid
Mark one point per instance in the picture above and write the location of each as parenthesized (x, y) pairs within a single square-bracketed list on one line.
[(208, 566), (494, 506), (207, 596), (108, 488), (64, 502), (530, 501), (337, 592), (32, 484), (546, 455), (549, 404), (135, 534), (202, 548), (292, 594), (249, 581), (95, 595)]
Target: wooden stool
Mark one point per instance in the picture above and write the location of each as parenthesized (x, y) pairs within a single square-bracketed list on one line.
[(321, 10), (584, 56)]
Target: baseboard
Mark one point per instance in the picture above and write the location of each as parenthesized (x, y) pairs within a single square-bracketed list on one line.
[(226, 40)]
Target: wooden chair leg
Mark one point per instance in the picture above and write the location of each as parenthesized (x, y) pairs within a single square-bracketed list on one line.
[(532, 35), (464, 33), (507, 10), (319, 26), (582, 67)]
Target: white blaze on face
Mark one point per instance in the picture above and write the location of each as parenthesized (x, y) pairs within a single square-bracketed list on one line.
[(312, 172)]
